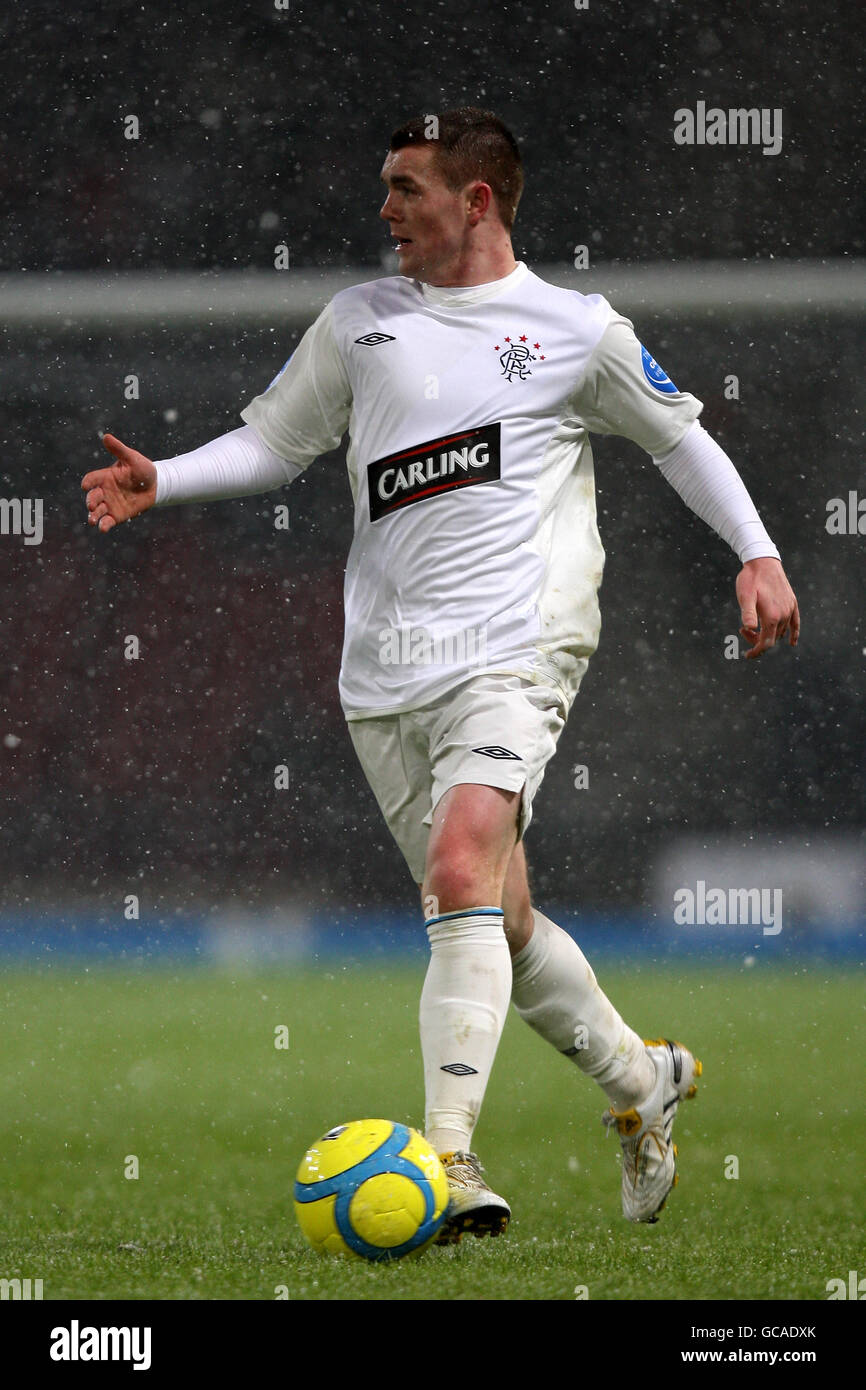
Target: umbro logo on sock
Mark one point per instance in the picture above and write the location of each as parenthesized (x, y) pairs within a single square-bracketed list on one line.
[(495, 751), (373, 339), (459, 1069)]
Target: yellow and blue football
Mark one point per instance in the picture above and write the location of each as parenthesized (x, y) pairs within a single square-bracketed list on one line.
[(371, 1189)]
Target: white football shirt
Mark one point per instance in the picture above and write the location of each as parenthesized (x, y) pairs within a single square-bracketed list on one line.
[(468, 410)]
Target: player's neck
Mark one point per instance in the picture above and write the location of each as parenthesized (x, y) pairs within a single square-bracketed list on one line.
[(475, 267)]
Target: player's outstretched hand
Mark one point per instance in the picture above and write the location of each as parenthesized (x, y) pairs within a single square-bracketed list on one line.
[(768, 608), (122, 491)]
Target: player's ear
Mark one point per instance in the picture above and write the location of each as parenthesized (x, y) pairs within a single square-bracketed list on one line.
[(479, 197)]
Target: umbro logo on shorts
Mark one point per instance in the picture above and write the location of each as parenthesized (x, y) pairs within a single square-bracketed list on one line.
[(373, 339), (459, 1069), (428, 470), (495, 751)]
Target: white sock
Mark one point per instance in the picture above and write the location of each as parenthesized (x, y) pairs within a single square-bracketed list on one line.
[(464, 1004), (557, 994)]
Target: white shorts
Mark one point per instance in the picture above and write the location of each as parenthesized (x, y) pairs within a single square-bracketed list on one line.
[(498, 731)]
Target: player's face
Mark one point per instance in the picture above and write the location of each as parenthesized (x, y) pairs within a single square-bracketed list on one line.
[(427, 219)]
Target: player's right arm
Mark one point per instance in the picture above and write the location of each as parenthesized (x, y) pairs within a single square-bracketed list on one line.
[(303, 413), (122, 491), (235, 465)]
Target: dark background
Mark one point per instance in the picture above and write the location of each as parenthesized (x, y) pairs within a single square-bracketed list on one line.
[(260, 126), (247, 110)]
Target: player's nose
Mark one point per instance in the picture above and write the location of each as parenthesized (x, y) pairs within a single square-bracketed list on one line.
[(386, 212)]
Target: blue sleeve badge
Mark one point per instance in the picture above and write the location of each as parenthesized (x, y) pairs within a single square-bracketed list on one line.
[(282, 369), (656, 375)]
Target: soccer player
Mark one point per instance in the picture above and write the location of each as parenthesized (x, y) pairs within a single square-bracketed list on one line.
[(469, 387)]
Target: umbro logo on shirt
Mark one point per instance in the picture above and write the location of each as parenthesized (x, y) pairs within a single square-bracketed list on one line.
[(495, 750), (428, 470), (373, 339)]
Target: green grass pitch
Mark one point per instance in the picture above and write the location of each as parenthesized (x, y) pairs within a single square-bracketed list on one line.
[(179, 1068)]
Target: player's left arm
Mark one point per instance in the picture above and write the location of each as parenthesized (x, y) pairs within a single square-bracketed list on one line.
[(624, 391), (709, 484), (768, 606)]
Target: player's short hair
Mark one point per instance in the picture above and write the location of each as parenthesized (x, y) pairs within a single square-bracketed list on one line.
[(470, 144)]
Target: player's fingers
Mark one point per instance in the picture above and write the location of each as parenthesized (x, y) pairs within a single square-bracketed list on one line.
[(795, 624), (755, 639), (770, 632), (766, 638), (106, 523), (94, 497), (94, 479), (116, 446)]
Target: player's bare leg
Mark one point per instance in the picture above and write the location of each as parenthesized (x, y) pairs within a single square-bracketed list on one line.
[(472, 840), (516, 902), (556, 992), (467, 989)]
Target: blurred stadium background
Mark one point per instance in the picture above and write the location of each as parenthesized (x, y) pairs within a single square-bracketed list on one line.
[(152, 780), (154, 258)]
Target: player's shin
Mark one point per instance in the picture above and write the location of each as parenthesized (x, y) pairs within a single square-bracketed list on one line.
[(556, 992), (464, 1004)]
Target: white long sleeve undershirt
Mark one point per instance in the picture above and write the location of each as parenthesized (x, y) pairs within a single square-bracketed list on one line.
[(239, 464), (236, 464), (709, 484)]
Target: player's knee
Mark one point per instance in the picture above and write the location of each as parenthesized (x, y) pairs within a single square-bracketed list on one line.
[(456, 882)]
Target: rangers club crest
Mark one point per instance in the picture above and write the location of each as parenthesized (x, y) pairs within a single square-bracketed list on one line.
[(515, 354)]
